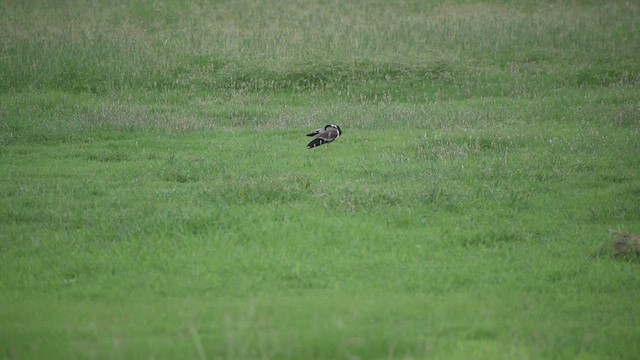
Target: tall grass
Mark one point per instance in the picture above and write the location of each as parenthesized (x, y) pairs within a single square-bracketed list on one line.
[(84, 46)]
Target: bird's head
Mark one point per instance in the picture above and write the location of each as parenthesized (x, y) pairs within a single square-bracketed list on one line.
[(335, 127)]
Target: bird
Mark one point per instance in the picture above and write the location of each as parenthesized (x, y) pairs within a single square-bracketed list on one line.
[(324, 136)]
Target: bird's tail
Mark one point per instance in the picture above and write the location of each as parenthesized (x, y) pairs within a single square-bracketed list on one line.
[(315, 142)]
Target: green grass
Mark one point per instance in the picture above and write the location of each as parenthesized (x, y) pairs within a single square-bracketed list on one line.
[(157, 199)]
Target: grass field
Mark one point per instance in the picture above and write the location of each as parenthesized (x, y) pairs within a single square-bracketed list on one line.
[(157, 199)]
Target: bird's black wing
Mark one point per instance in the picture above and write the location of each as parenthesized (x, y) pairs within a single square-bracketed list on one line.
[(316, 142)]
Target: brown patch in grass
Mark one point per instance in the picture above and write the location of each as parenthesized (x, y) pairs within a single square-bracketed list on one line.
[(626, 244)]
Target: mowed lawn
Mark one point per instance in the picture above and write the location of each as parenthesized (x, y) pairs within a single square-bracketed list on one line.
[(157, 199)]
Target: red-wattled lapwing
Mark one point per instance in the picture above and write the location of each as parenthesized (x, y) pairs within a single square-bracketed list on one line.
[(324, 136)]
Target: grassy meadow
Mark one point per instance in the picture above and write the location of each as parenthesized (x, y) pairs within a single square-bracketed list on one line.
[(157, 199)]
